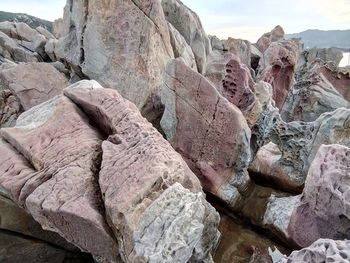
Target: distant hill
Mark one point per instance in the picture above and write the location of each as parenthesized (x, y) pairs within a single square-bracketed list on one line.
[(324, 39), (31, 21)]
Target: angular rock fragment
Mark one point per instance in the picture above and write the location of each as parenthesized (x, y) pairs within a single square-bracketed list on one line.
[(265, 40), (140, 175), (62, 192), (209, 132), (190, 27), (239, 47)]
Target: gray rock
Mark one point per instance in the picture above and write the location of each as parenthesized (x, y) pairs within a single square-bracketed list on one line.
[(190, 27)]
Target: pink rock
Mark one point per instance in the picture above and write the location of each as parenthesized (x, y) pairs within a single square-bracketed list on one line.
[(211, 133), (139, 170), (33, 83), (266, 39), (278, 66), (324, 211), (63, 194)]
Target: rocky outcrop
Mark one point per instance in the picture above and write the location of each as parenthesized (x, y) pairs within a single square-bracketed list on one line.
[(325, 54), (190, 27), (104, 194), (210, 132), (266, 39), (124, 45), (277, 67), (323, 250)]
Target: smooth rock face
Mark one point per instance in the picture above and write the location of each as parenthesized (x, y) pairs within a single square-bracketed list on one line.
[(59, 188), (32, 83), (324, 208), (140, 173), (181, 48), (207, 130), (266, 39), (122, 44), (323, 250), (190, 27), (277, 67)]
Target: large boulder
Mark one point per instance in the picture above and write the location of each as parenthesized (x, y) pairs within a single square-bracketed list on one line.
[(211, 133), (152, 199), (58, 188), (266, 39), (122, 44), (277, 67), (325, 54), (240, 48), (190, 27), (324, 208)]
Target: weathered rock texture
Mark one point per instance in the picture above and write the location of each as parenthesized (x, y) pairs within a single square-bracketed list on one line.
[(297, 143), (190, 27), (277, 67), (324, 208), (137, 166), (210, 132), (32, 83), (240, 48), (122, 44), (265, 40), (323, 250), (97, 192)]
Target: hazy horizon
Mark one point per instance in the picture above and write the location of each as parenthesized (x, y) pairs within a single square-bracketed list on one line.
[(232, 18)]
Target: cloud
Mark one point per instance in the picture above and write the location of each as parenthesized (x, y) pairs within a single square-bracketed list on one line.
[(337, 10)]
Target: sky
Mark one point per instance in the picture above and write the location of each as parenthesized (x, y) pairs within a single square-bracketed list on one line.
[(247, 19)]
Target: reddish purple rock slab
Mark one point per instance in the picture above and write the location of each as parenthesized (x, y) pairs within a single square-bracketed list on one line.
[(324, 211), (237, 85), (211, 133), (64, 195), (278, 66), (33, 83)]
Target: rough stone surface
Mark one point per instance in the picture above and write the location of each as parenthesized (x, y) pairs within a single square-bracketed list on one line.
[(58, 188), (139, 169), (277, 67), (310, 97), (190, 27), (10, 108), (181, 48), (298, 143), (32, 83), (210, 133), (323, 250), (325, 54), (324, 208), (266, 39), (123, 45)]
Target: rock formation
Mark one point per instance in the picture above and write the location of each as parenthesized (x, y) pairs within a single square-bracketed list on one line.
[(265, 40)]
